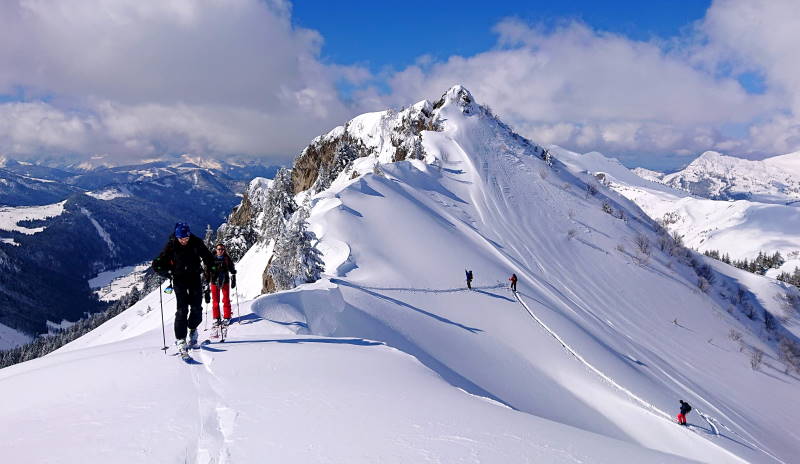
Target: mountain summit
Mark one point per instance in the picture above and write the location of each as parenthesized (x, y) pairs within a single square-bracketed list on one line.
[(390, 358)]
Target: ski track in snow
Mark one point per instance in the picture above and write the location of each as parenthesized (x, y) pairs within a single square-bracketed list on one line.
[(217, 418), (648, 406)]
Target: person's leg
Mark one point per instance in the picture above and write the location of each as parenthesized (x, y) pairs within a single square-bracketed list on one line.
[(215, 301), (181, 311), (226, 300), (195, 304)]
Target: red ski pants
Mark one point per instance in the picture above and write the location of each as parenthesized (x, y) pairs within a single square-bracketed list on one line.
[(226, 300), (681, 419)]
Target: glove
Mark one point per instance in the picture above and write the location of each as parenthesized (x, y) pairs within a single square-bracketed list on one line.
[(207, 295), (233, 281)]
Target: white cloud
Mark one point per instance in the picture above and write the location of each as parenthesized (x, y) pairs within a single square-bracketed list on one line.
[(591, 90), (137, 79), (131, 78), (762, 37)]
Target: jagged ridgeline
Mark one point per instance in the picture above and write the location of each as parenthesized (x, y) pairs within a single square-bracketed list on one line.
[(268, 212)]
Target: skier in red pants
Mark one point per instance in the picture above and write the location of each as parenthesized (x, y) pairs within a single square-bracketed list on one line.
[(223, 273), (685, 408)]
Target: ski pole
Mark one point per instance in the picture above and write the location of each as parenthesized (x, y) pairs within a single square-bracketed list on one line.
[(163, 332), (238, 315)]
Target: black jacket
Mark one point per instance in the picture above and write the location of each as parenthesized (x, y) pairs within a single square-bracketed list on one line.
[(220, 270), (685, 408), (183, 261)]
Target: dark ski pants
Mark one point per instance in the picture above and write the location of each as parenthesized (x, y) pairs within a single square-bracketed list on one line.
[(469, 284), (189, 311)]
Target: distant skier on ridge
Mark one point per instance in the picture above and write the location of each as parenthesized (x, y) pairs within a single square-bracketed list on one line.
[(685, 409), (469, 279), (513, 280), (223, 278), (181, 261)]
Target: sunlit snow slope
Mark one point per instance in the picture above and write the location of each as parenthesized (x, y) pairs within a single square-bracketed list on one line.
[(391, 359), (740, 228)]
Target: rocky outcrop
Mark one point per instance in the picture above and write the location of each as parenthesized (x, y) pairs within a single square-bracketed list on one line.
[(390, 136), (324, 159)]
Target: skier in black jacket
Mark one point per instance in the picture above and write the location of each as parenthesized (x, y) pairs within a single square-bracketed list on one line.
[(685, 408), (181, 261)]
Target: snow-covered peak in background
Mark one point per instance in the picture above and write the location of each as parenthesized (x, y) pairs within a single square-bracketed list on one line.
[(389, 358), (716, 176), (648, 174), (741, 228)]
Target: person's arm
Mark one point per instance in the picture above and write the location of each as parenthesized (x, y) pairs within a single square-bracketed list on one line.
[(205, 254), (162, 263)]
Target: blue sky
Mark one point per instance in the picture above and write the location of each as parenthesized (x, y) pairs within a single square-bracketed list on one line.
[(654, 83), (387, 34)]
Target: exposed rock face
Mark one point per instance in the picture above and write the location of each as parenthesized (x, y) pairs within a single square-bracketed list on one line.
[(389, 136), (243, 227), (242, 214), (268, 283), (324, 159)]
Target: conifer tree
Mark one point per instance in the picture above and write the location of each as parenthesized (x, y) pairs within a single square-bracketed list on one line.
[(280, 205), (295, 257)]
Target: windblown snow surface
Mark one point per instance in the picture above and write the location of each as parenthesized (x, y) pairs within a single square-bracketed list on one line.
[(390, 359)]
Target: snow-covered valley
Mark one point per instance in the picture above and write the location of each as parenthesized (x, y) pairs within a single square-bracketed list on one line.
[(389, 358)]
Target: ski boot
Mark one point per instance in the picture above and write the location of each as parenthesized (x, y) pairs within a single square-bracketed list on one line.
[(180, 344), (192, 338)]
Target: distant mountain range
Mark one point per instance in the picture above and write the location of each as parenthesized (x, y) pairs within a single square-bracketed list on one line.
[(718, 202), (61, 226), (719, 177)]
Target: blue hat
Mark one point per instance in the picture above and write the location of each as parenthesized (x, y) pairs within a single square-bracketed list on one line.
[(181, 230)]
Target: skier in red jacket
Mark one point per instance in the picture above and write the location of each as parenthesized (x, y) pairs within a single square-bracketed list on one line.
[(513, 280)]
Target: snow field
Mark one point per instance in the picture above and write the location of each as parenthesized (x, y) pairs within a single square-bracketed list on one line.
[(391, 359), (11, 216)]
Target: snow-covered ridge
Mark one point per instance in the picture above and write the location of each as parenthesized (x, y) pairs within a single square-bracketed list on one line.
[(717, 176), (392, 348), (648, 174)]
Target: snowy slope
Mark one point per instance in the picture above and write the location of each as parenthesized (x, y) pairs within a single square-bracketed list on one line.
[(9, 338), (391, 359), (741, 228), (716, 176)]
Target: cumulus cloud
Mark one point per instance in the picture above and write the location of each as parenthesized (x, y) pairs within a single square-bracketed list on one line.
[(590, 90), (137, 78), (762, 37)]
